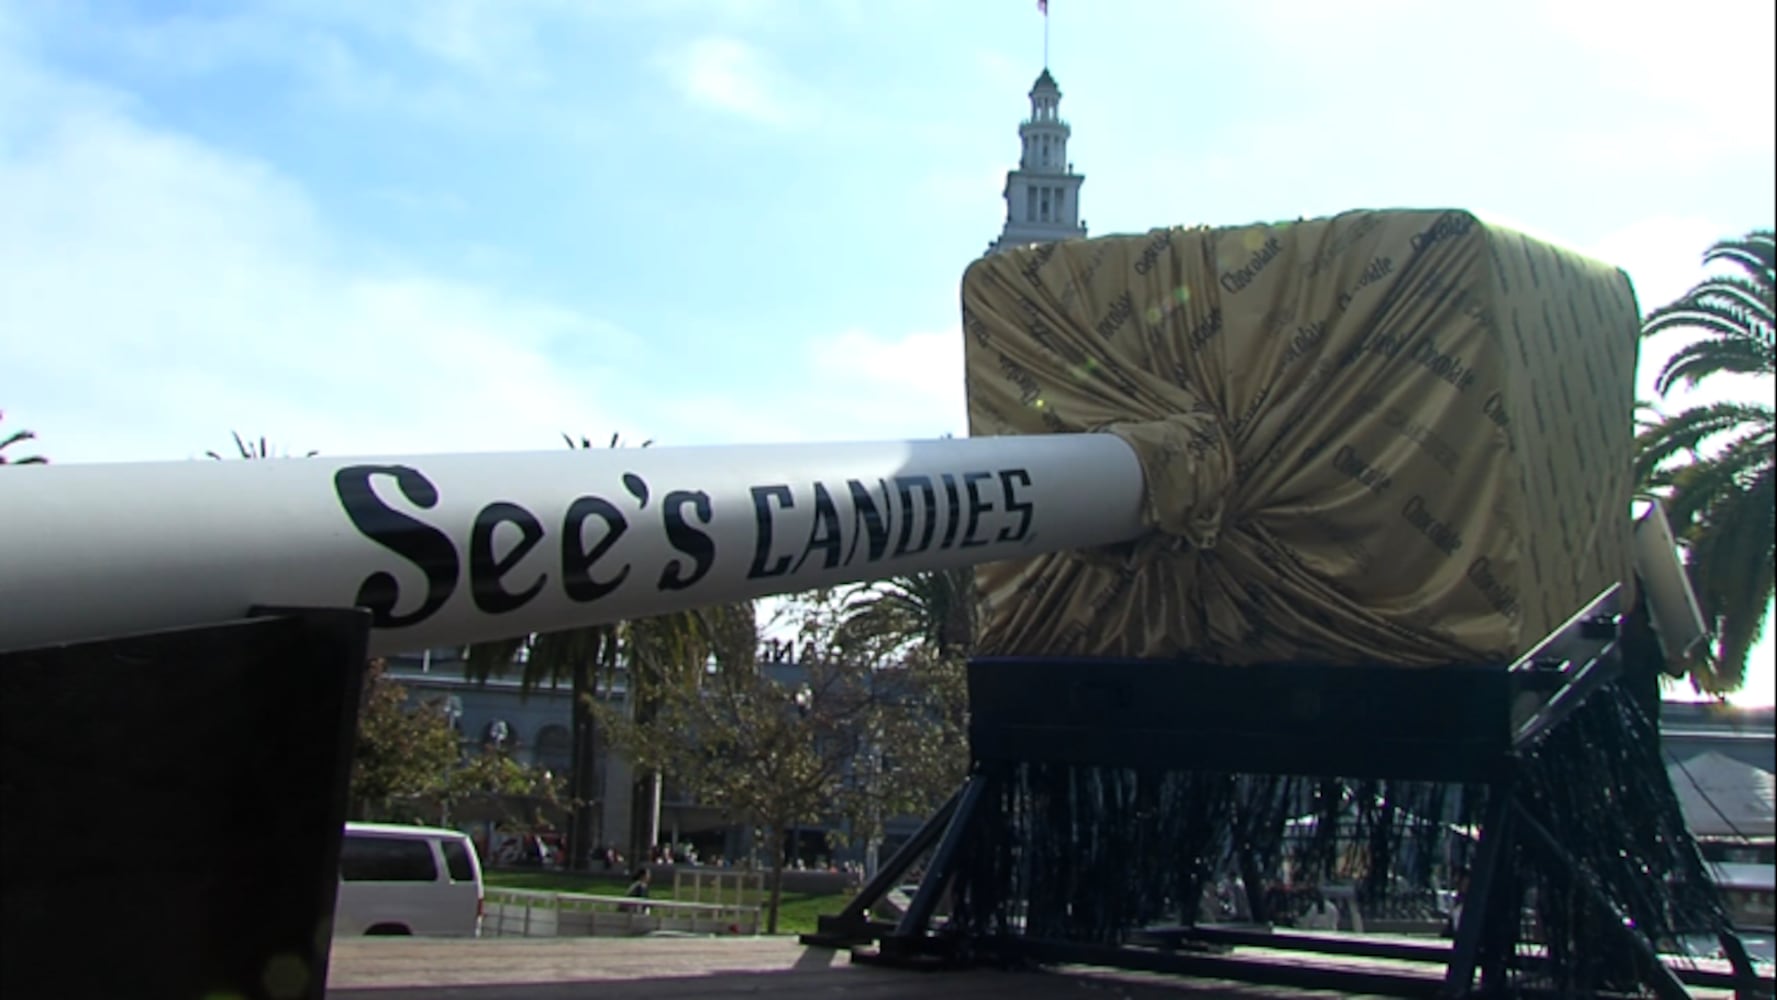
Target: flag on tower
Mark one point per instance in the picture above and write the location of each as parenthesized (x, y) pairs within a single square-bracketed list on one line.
[(1043, 7)]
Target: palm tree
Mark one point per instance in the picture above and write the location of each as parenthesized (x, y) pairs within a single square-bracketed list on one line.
[(579, 657), (1712, 464), (937, 609), (252, 449), (667, 656), (655, 656), (18, 437)]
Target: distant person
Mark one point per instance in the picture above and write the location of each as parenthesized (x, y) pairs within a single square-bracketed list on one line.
[(1321, 914), (1460, 880), (638, 889)]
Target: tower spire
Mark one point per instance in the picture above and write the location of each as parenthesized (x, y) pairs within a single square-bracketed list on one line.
[(1042, 193)]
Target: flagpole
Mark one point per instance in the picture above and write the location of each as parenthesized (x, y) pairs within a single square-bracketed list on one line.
[(1045, 8)]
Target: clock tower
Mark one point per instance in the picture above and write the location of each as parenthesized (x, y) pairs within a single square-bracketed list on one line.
[(1043, 193)]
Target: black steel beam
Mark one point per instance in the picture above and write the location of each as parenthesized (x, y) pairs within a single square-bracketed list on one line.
[(852, 924), (1745, 980), (1662, 979), (1477, 901), (942, 870), (1568, 665)]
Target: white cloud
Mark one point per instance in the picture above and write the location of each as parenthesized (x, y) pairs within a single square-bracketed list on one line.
[(462, 64), (1003, 75), (912, 383), (156, 293), (976, 189), (732, 76), (1662, 253), (496, 41), (1663, 256), (1716, 68)]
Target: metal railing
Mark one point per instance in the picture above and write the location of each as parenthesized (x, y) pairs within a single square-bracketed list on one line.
[(533, 913)]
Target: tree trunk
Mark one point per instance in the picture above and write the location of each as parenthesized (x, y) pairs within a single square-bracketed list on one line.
[(643, 828), (640, 846), (644, 814), (1254, 882), (774, 835), (582, 772), (656, 789)]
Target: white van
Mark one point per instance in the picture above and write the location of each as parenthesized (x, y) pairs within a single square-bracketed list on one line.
[(407, 880)]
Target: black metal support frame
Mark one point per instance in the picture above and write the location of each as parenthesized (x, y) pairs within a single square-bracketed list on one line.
[(172, 806), (1468, 723)]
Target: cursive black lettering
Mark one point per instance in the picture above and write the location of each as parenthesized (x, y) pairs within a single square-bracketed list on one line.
[(1447, 226), (1500, 597), (687, 539), (1439, 533), (1449, 367), (577, 560), (427, 548), (487, 572), (1351, 464), (1150, 254), (1122, 308), (1239, 278)]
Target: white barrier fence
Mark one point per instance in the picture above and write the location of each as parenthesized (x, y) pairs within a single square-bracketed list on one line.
[(532, 913)]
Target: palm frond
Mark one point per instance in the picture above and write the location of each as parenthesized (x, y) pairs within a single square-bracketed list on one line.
[(19, 437), (1751, 293), (1736, 313), (253, 450), (1684, 432), (1729, 558), (585, 443), (487, 660), (1720, 497), (1700, 359), (1690, 314), (1747, 299), (936, 609), (1707, 482), (1755, 253)]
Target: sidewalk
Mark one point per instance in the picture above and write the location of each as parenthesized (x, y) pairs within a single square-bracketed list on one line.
[(658, 968)]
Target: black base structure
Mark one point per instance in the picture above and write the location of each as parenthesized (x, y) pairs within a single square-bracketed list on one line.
[(1106, 797), (171, 809)]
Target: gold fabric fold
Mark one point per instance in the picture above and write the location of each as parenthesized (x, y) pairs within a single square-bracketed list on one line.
[(1400, 436)]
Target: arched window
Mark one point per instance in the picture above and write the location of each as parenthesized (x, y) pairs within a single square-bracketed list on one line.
[(554, 747)]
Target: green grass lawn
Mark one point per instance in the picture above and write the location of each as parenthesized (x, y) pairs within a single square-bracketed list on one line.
[(796, 915)]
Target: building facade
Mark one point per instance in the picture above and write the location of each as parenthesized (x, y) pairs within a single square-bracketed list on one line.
[(1690, 729), (534, 728)]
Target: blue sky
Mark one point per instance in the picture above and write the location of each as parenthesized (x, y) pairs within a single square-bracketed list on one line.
[(398, 226)]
